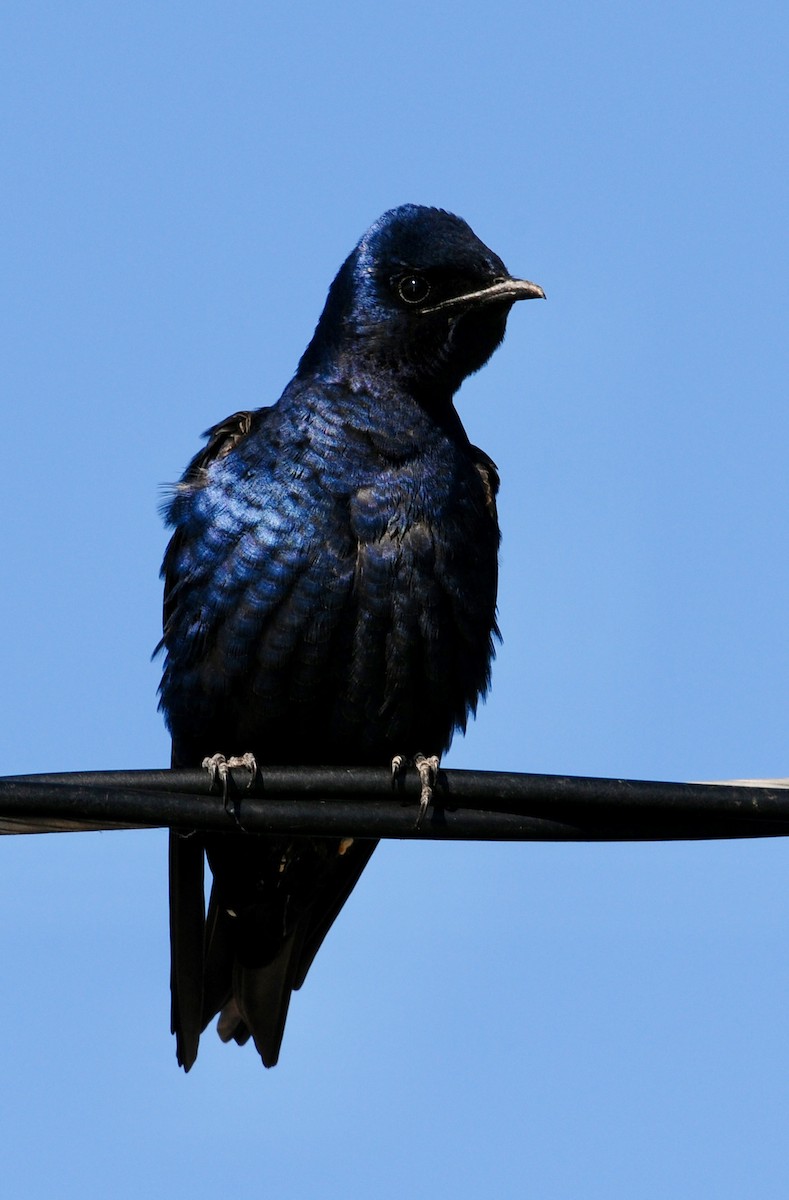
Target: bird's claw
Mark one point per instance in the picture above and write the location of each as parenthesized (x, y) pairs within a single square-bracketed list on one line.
[(428, 770), (219, 768), (249, 761)]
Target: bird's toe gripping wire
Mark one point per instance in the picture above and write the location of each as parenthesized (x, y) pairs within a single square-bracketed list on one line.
[(219, 769), (428, 772)]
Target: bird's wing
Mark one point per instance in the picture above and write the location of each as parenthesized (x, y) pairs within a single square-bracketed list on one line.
[(186, 854), (329, 902), (222, 438), (261, 996), (243, 576), (258, 576)]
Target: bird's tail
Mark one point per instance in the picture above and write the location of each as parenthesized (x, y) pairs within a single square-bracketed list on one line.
[(213, 959), (260, 1000), (187, 941)]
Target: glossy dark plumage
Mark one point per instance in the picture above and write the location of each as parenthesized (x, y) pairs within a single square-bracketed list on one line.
[(330, 597)]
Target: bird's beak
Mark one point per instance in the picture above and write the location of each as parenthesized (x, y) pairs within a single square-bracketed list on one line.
[(503, 290)]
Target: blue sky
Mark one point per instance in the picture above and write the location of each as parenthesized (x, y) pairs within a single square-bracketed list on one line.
[(520, 1021)]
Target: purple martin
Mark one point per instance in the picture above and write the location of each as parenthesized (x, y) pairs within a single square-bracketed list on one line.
[(330, 598)]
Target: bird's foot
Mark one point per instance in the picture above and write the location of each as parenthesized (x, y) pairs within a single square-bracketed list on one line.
[(428, 771), (219, 768)]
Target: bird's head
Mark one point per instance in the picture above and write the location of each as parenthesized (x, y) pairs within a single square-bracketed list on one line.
[(421, 298)]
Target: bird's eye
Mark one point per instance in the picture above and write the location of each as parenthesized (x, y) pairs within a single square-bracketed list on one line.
[(413, 289)]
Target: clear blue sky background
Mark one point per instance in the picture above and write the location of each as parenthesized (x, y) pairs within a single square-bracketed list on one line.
[(553, 1022)]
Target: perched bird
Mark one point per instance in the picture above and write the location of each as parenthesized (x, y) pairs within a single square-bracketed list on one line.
[(330, 598)]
